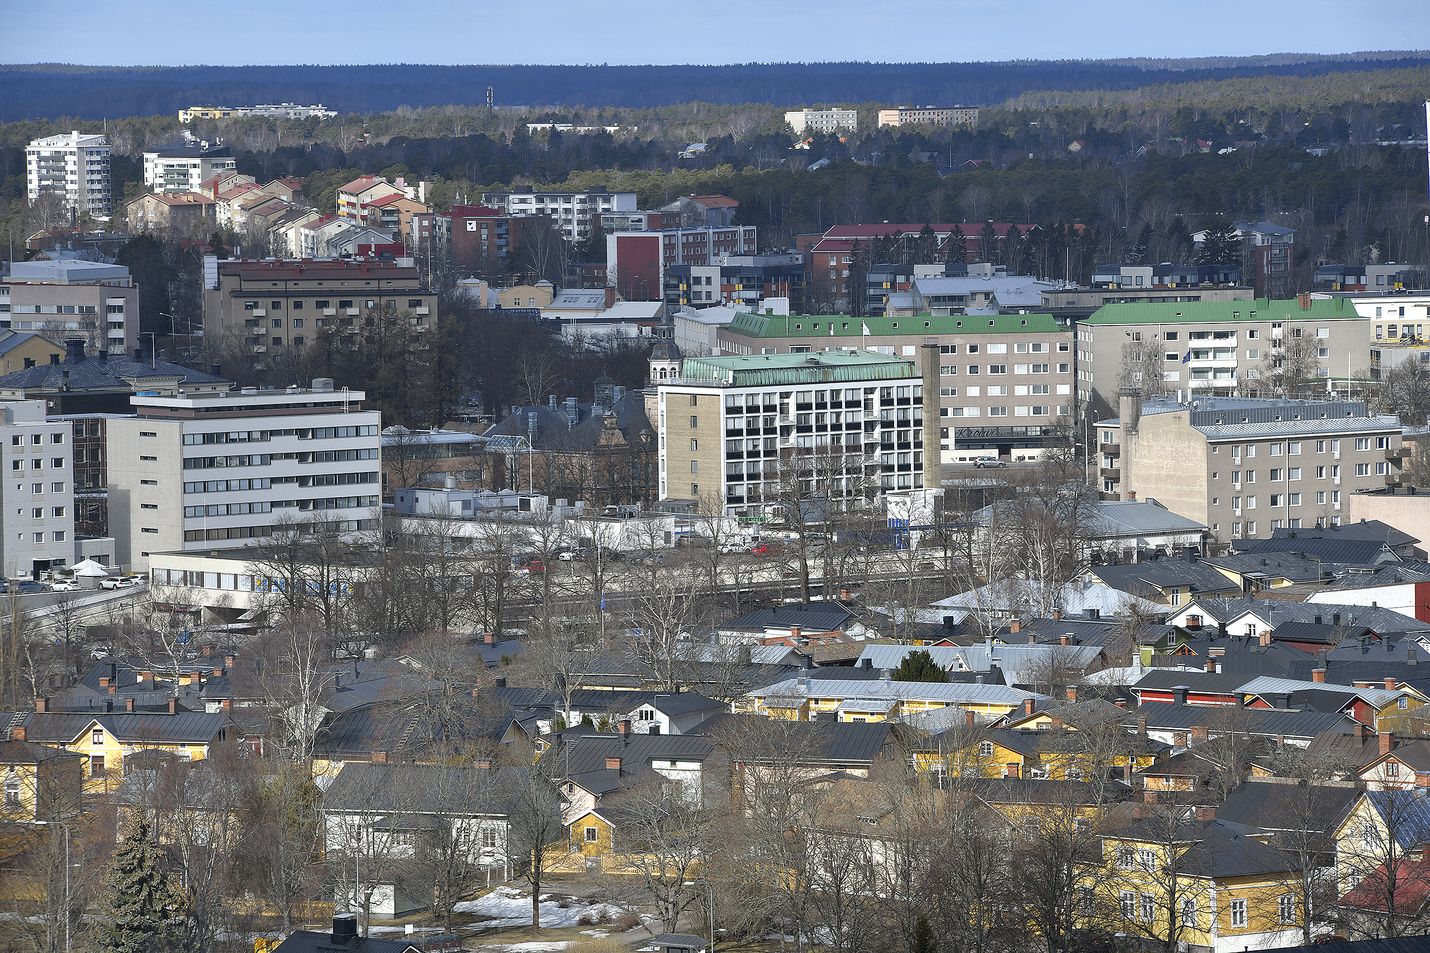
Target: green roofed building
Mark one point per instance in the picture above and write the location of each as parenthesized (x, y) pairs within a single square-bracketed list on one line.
[(1004, 381), (736, 432), (1217, 348)]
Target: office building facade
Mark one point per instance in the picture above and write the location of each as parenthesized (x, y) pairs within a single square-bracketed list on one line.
[(96, 302), (219, 471), (37, 494), (732, 429)]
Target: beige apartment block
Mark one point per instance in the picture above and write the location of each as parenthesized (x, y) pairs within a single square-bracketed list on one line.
[(279, 305), (1212, 348), (1004, 381), (1246, 467)]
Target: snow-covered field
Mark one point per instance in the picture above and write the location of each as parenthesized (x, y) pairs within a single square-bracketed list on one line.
[(509, 907)]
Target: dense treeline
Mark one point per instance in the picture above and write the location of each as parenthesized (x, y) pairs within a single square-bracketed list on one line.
[(107, 92)]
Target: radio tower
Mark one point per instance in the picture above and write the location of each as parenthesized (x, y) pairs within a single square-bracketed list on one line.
[(492, 98)]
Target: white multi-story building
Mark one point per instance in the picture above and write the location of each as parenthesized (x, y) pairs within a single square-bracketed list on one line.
[(37, 492), (74, 167), (575, 214), (731, 428), (822, 120), (225, 470), (183, 166), (965, 116)]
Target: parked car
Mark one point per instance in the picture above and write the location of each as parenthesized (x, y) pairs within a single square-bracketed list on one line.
[(119, 582), (26, 586), (764, 549), (981, 462), (568, 555), (64, 585)]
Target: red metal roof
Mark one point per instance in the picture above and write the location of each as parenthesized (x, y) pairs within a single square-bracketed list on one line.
[(358, 184), (715, 201), (1411, 887)]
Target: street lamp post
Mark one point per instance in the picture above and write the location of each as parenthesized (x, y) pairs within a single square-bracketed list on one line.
[(710, 893), (69, 947)]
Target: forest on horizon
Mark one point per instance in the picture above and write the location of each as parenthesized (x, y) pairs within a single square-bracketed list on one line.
[(106, 92)]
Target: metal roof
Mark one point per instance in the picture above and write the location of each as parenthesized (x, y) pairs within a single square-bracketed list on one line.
[(952, 693), (753, 324), (1222, 312), (1293, 428), (1271, 685), (763, 370), (1259, 721)]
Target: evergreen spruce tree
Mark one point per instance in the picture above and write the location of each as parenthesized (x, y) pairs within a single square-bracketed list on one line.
[(141, 900), (919, 666)]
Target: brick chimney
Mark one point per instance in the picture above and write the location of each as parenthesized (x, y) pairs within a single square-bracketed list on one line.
[(1015, 626), (378, 757), (969, 719), (1064, 639), (613, 764), (1027, 706), (1387, 742), (795, 631), (623, 727), (1206, 812), (845, 595), (226, 705), (1318, 675), (129, 704), (1141, 724), (1072, 693), (173, 706), (1199, 734), (1264, 638), (42, 705), (17, 733), (1390, 683), (489, 638), (1211, 665)]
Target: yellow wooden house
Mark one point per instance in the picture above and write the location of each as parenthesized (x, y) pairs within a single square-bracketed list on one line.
[(106, 740), (1197, 884), (36, 782)]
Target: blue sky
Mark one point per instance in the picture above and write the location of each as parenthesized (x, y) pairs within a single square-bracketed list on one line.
[(181, 32)]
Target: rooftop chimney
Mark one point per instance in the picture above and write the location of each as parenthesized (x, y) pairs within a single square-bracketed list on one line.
[(1318, 675), (74, 350), (173, 706), (129, 704), (344, 929), (42, 705), (613, 764), (1027, 706), (1072, 693), (1264, 638), (1390, 684), (1387, 742)]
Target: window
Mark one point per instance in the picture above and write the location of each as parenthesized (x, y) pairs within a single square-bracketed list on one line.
[(1148, 908), (1238, 913), (694, 421), (694, 466), (1286, 908), (591, 835), (1146, 859), (1126, 856), (1127, 900), (1189, 912), (96, 766), (96, 737), (12, 790)]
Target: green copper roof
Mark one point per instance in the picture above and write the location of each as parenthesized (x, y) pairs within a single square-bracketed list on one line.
[(1221, 312), (757, 370), (842, 325)]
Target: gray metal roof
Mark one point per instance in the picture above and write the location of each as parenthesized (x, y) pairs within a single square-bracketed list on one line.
[(951, 693), (1292, 428)]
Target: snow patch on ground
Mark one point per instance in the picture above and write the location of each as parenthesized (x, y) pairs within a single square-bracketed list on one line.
[(509, 907)]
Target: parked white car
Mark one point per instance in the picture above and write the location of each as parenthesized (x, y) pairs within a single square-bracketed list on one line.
[(119, 582), (64, 585)]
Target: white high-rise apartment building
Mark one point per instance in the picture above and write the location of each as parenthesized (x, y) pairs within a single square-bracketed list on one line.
[(184, 166), (74, 167), (221, 471), (36, 492), (575, 214)]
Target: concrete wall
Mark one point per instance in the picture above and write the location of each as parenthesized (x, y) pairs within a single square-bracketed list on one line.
[(146, 512), (1409, 513)]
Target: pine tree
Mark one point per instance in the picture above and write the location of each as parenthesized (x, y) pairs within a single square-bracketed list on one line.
[(919, 666), (1220, 244), (141, 900), (956, 246)]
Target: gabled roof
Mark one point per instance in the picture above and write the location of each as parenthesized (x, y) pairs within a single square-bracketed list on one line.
[(808, 616), (23, 752), (1405, 813), (1269, 806), (363, 788), (1161, 574), (1273, 564), (156, 728), (1271, 723), (823, 742)]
